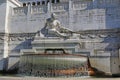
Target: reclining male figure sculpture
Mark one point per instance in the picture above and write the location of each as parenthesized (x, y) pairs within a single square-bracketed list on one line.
[(54, 27)]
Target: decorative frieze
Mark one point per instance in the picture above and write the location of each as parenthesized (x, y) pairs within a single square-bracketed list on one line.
[(103, 36), (17, 37), (21, 36), (91, 34)]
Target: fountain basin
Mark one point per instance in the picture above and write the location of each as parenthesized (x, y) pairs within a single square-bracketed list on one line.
[(54, 62)]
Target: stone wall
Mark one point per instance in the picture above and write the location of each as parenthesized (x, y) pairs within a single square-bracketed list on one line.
[(2, 15), (77, 16)]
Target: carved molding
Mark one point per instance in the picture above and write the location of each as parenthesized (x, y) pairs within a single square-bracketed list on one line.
[(91, 34), (83, 36), (1, 37), (21, 36), (94, 36), (102, 36)]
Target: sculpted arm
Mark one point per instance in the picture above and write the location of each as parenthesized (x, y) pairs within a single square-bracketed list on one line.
[(63, 29), (47, 24)]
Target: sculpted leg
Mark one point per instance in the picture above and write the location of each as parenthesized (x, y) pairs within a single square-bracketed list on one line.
[(57, 33)]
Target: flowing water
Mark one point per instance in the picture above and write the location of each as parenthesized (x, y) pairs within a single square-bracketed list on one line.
[(53, 65)]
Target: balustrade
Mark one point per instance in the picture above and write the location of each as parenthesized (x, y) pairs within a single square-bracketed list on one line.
[(20, 11), (80, 5), (37, 7), (60, 7)]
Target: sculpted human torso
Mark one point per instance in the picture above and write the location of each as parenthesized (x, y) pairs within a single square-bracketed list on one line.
[(53, 24)]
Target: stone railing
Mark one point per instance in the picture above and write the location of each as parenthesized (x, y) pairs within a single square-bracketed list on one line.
[(20, 10), (38, 9), (60, 7), (64, 6), (33, 10), (80, 5)]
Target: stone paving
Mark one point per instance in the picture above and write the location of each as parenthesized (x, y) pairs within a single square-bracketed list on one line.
[(71, 78)]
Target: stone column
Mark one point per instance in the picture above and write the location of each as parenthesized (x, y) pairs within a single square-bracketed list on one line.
[(5, 52), (40, 2), (5, 46), (55, 1), (29, 9), (50, 1), (46, 2), (49, 9), (70, 14)]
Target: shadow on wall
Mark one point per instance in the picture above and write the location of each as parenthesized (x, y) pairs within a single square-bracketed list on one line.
[(112, 14), (3, 64), (112, 21), (14, 68), (23, 45), (4, 67), (2, 1), (114, 45), (15, 55)]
